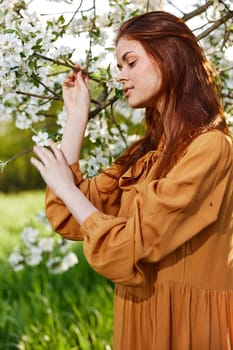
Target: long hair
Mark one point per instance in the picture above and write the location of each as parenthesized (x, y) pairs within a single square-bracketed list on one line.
[(191, 104)]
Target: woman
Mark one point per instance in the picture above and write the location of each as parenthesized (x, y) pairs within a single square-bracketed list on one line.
[(158, 222)]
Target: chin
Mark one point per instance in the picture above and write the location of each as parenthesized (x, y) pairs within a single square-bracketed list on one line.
[(135, 104)]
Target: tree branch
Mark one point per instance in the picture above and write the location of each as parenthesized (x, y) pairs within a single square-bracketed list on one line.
[(45, 86), (197, 11), (102, 106), (214, 26), (58, 98), (3, 164), (75, 13), (68, 65)]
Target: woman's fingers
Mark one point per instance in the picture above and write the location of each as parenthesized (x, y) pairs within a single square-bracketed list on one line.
[(39, 166), (53, 167), (56, 151), (44, 154), (48, 155), (70, 80)]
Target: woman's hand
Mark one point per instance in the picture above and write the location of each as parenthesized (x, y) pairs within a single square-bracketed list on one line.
[(76, 93), (54, 169), (58, 176)]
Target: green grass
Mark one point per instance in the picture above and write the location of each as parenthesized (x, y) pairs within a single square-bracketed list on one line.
[(38, 310), (17, 211)]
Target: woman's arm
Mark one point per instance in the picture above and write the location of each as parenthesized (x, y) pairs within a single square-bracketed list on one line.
[(76, 95)]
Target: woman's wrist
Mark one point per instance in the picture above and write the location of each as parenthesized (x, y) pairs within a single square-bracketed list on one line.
[(77, 202), (76, 111)]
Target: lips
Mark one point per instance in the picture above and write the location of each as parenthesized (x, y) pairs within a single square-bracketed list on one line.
[(127, 91)]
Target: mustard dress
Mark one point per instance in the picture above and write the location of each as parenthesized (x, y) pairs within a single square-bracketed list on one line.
[(168, 247)]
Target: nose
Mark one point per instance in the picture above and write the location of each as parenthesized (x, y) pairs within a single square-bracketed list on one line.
[(121, 77)]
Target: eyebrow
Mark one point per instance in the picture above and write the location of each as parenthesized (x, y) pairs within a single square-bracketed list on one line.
[(123, 57)]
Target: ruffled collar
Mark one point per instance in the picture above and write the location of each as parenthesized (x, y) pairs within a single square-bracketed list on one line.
[(140, 171)]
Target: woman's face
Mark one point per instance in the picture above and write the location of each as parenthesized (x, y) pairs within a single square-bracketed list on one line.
[(139, 74)]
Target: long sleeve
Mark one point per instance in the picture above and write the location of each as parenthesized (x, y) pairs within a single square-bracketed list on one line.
[(164, 214), (97, 190)]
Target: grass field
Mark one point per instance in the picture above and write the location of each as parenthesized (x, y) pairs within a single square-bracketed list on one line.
[(39, 310)]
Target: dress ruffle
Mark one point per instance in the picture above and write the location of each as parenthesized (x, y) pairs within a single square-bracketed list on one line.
[(176, 317)]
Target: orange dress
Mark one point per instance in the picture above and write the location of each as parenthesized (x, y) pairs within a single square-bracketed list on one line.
[(168, 247)]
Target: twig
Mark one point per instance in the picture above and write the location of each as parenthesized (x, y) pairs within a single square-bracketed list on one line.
[(39, 96), (75, 13), (4, 164), (197, 11), (45, 86), (173, 5), (103, 105), (118, 127)]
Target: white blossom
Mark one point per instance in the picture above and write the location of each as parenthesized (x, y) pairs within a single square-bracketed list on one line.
[(61, 120), (46, 244), (69, 261), (53, 264), (16, 260), (29, 236), (23, 122), (64, 245), (61, 51), (5, 113), (41, 139), (35, 256), (60, 265)]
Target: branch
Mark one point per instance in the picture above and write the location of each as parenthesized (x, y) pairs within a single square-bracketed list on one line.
[(39, 96), (225, 69), (229, 95), (118, 127), (58, 62), (75, 13), (68, 65), (4, 164), (102, 106), (45, 86), (93, 26), (173, 5), (214, 26), (197, 11)]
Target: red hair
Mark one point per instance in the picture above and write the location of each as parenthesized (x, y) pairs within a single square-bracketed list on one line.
[(191, 102)]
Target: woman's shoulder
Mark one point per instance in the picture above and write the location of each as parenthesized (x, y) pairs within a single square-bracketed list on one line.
[(214, 141), (210, 150), (215, 134)]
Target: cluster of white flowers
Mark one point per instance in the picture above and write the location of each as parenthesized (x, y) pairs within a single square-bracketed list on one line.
[(22, 37), (41, 138), (61, 120), (35, 249), (61, 51), (107, 144), (11, 51)]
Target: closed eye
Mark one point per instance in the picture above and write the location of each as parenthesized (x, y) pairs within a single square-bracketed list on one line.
[(131, 64)]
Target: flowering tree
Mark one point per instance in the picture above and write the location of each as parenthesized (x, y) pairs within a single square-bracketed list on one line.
[(34, 63), (35, 59)]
